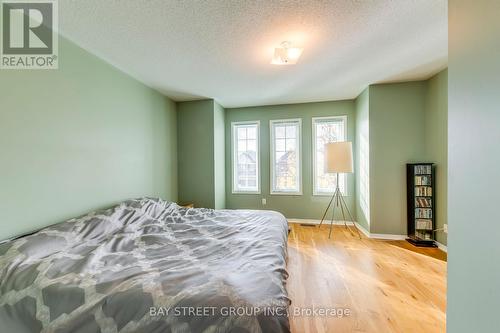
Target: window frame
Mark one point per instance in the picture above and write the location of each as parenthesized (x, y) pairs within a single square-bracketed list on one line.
[(234, 158), (272, 141), (342, 176)]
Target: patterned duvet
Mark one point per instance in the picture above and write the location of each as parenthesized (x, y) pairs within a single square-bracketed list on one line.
[(148, 265)]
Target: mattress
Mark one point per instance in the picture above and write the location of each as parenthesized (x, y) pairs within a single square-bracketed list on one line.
[(148, 265)]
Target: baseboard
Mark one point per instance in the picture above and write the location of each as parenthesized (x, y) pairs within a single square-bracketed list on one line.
[(363, 230), (360, 227), (388, 236), (442, 247)]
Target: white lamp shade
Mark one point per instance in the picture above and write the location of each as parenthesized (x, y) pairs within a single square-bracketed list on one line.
[(338, 157)]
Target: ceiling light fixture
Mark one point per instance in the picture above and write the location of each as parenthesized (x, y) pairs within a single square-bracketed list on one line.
[(286, 54)]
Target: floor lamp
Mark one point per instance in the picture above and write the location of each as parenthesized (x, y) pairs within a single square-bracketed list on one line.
[(338, 159)]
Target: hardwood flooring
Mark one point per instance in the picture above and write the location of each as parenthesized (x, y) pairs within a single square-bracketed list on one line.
[(388, 286)]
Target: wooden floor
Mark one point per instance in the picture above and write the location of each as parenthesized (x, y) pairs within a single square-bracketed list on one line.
[(388, 286)]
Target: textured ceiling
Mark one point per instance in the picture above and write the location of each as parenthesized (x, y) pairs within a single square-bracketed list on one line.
[(222, 49)]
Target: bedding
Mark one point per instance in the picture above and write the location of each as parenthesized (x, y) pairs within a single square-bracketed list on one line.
[(148, 265)]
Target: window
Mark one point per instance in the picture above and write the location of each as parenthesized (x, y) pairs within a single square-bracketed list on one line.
[(285, 156), (326, 130), (246, 175), (364, 171)]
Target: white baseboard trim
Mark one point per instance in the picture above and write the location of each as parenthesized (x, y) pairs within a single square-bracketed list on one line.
[(442, 247), (388, 236), (363, 230), (360, 227)]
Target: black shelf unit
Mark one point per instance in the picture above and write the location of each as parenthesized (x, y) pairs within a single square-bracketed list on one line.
[(421, 203)]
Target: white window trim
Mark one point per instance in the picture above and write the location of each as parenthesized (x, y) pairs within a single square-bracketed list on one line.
[(273, 157), (313, 121), (234, 159)]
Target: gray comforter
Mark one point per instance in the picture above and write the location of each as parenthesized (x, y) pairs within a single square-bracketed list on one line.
[(148, 265)]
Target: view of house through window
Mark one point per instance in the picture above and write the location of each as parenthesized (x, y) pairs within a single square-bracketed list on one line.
[(246, 157), (326, 130), (285, 156)]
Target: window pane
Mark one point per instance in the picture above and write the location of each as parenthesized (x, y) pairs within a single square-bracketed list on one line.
[(290, 145), (280, 145), (326, 131), (290, 131), (245, 162), (279, 155), (252, 145), (252, 133), (242, 133), (285, 157), (280, 132), (242, 145)]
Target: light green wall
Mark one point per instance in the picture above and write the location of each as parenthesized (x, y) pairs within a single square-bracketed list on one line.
[(201, 154), (362, 113), (403, 122), (219, 156), (396, 138), (436, 144), (474, 158), (78, 138), (301, 206), (195, 128)]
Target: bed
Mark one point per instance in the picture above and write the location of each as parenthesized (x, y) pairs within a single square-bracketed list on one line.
[(148, 265)]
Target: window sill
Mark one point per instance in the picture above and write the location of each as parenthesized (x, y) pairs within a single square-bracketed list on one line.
[(245, 192)]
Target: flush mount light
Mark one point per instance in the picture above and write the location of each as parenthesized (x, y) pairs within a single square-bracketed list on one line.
[(286, 54)]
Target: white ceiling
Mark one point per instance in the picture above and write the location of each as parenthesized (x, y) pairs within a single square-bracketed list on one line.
[(222, 49)]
